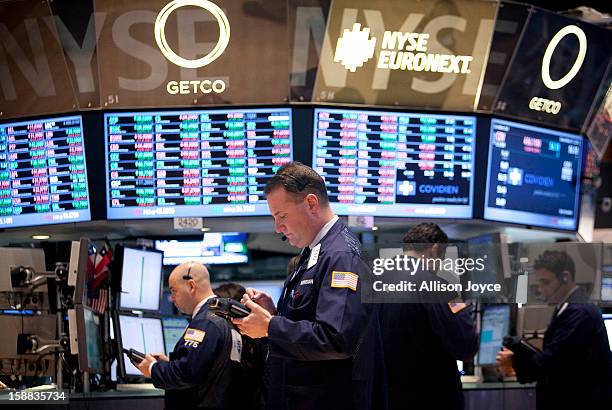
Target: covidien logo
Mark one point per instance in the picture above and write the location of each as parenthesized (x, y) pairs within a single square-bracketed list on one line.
[(186, 87)]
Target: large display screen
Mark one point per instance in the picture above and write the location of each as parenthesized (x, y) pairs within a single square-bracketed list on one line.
[(193, 163), (43, 177), (396, 164), (214, 249), (533, 176)]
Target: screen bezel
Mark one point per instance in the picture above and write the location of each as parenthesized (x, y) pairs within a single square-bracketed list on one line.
[(469, 208), (514, 215), (119, 259), (196, 209)]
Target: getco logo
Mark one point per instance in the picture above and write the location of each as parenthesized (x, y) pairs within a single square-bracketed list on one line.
[(224, 36), (550, 106), (562, 82)]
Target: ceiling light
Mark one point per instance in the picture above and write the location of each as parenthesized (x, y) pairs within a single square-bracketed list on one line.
[(41, 237)]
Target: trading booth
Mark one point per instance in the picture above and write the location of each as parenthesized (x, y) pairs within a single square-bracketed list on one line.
[(138, 135)]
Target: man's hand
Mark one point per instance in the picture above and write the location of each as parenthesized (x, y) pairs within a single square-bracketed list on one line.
[(145, 365), (261, 298), (504, 357), (160, 357), (255, 325)]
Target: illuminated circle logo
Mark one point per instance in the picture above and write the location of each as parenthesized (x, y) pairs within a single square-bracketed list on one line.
[(562, 82), (160, 34)]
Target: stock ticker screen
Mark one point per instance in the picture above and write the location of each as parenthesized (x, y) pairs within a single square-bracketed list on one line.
[(396, 164), (533, 176), (43, 175), (195, 163)]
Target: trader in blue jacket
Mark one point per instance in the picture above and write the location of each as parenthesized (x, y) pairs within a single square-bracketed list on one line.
[(203, 371), (574, 368), (324, 351)]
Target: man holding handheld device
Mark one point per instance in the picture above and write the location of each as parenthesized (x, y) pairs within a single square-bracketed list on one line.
[(323, 340), (204, 368)]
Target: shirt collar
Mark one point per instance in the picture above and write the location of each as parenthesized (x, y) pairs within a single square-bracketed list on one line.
[(199, 305), (567, 296), (323, 231)]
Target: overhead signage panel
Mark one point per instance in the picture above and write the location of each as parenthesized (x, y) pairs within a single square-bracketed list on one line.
[(391, 52), (34, 77), (192, 52), (556, 71)]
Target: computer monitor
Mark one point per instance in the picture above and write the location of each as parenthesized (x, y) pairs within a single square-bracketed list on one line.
[(86, 341), (197, 163), (396, 164), (78, 267), (174, 327), (608, 322), (144, 334), (214, 249), (495, 324), (43, 173), (541, 164), (141, 279), (606, 283), (272, 288)]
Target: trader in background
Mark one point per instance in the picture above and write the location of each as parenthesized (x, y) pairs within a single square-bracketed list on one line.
[(323, 352), (423, 339), (203, 368), (574, 368)]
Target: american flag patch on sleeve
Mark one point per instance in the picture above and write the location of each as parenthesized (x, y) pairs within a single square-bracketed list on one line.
[(194, 335), (344, 280)]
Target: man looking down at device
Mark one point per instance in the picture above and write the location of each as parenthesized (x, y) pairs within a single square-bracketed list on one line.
[(204, 366), (322, 338)]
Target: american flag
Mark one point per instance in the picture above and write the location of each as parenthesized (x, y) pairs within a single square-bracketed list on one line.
[(344, 280), (100, 302), (98, 270)]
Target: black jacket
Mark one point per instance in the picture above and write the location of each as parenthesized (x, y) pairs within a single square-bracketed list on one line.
[(200, 373), (324, 343), (422, 343), (574, 369)]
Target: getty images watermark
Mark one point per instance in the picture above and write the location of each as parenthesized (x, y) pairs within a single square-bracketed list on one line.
[(477, 270)]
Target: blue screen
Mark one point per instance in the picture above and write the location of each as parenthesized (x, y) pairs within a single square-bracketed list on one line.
[(396, 164), (533, 176), (495, 325), (214, 249), (43, 173), (193, 163), (174, 327)]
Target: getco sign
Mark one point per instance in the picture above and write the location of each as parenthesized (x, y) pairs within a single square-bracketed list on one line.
[(549, 106), (185, 87)]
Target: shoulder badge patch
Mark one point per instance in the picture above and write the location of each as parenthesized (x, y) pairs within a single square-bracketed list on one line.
[(194, 335), (456, 307), (347, 280)]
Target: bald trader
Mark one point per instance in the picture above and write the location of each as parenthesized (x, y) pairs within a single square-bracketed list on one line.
[(203, 368)]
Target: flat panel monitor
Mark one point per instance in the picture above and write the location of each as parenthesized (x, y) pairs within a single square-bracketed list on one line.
[(174, 327), (272, 288), (193, 163), (144, 334), (396, 164), (533, 176), (43, 173), (494, 326), (606, 283), (141, 279), (214, 249), (85, 327), (608, 322)]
